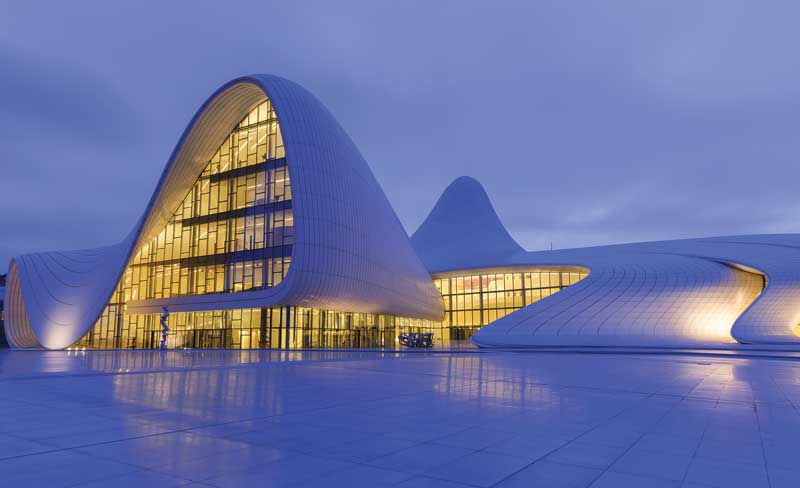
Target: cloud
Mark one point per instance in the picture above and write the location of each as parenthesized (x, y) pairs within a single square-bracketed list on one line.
[(587, 124)]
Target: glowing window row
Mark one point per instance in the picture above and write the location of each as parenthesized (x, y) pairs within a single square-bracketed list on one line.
[(257, 138), (164, 281), (179, 241), (208, 197), (505, 281), (473, 301), (251, 328)]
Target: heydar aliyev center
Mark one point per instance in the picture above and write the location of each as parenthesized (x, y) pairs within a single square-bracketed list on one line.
[(267, 229)]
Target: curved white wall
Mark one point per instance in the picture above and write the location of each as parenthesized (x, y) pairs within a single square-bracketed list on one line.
[(666, 293), (350, 253), (642, 299), (684, 293)]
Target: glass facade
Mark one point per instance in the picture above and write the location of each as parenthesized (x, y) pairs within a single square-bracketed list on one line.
[(274, 328), (474, 300), (233, 231)]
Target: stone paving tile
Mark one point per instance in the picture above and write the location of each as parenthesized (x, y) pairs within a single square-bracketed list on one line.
[(614, 434), (526, 447), (11, 446), (357, 477), (59, 468), (587, 455), (724, 474), (781, 478), (552, 475), (475, 438), (611, 479), (138, 479), (424, 482), (654, 464), (420, 458), (220, 464), (287, 471), (478, 469), (732, 452), (365, 450), (660, 442)]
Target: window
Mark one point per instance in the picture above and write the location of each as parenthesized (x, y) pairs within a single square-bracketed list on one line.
[(475, 300)]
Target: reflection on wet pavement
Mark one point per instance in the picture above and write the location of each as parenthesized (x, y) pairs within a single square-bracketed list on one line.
[(333, 418)]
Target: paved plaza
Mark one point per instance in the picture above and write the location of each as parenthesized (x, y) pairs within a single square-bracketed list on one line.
[(350, 419)]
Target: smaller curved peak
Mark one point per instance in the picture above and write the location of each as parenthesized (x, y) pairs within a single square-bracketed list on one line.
[(463, 231)]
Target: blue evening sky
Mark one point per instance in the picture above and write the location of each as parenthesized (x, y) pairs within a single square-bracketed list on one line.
[(587, 122)]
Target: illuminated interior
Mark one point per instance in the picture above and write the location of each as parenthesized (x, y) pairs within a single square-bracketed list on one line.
[(472, 299), (232, 232), (272, 327), (481, 297)]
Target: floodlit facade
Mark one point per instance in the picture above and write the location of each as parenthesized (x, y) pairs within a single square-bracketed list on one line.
[(267, 229)]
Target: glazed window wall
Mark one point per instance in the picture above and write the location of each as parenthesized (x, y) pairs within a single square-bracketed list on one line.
[(235, 228), (233, 232), (273, 328), (475, 300)]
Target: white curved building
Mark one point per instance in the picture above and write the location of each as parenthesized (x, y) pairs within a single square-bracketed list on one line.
[(268, 229), (265, 203), (693, 292)]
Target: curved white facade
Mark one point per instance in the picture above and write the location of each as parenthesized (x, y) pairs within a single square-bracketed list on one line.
[(350, 251), (695, 291), (351, 254), (690, 292)]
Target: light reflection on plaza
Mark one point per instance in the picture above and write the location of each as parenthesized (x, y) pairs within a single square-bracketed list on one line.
[(214, 414)]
